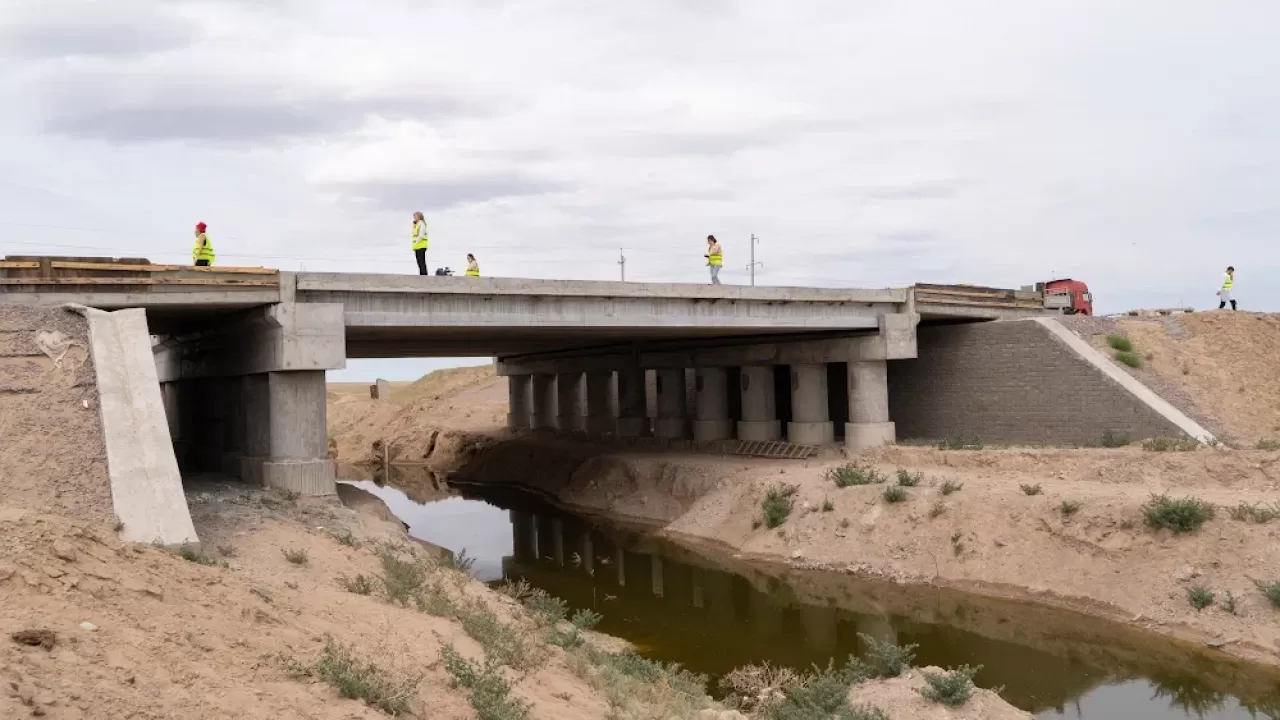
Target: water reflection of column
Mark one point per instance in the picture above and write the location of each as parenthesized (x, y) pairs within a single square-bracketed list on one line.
[(546, 538), (557, 541), (588, 553), (698, 594), (819, 627), (620, 560), (766, 616), (659, 589), (878, 627), (718, 594), (524, 535)]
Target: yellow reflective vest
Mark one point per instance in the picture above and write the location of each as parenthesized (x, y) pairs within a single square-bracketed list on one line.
[(473, 270), (715, 258), (203, 249), (1228, 282), (419, 235)]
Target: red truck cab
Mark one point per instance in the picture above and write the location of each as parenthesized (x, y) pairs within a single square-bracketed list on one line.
[(1077, 301)]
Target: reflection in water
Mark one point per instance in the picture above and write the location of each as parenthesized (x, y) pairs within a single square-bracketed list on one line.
[(715, 614)]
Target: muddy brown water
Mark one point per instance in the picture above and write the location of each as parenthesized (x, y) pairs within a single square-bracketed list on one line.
[(711, 612)]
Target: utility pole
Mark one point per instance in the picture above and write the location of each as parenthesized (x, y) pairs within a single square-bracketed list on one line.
[(622, 264), (752, 266)]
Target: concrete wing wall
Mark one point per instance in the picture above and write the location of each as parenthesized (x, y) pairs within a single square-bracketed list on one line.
[(1014, 382)]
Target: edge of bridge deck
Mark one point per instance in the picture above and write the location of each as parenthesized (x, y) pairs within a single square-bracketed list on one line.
[(432, 284)]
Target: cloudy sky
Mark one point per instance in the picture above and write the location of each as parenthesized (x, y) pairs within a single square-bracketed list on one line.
[(1130, 143)]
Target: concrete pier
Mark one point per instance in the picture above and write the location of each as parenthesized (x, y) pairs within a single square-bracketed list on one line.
[(632, 420), (759, 408), (673, 414), (571, 415), (543, 416), (810, 411), (601, 413), (869, 424), (519, 401), (712, 406)]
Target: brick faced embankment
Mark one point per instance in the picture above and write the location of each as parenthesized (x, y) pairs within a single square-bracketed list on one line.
[(1011, 382)]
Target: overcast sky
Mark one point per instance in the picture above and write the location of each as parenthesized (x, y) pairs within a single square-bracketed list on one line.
[(1130, 143)]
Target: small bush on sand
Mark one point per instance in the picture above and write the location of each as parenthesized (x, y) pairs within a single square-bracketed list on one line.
[(1269, 445), (1119, 342), (401, 579), (950, 486), (1133, 360), (348, 539), (1272, 591), (1171, 444), (909, 479), (360, 585), (823, 694), (828, 506), (190, 554), (960, 442), (855, 474), (756, 688), (1255, 512), (885, 659), (490, 691), (953, 687), (1229, 602), (460, 561), (777, 504), (937, 509), (297, 556), (1200, 597), (1069, 507), (646, 689), (357, 679), (895, 494), (1179, 515), (504, 644), (1030, 489), (545, 609), (1112, 439)]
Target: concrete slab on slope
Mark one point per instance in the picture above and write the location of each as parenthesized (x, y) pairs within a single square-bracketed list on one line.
[(146, 486)]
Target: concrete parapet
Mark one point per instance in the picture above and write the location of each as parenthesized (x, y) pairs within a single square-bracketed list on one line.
[(860, 436), (306, 477)]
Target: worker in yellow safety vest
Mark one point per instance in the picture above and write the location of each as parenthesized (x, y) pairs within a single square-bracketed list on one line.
[(473, 267), (715, 258), (1228, 284), (420, 242), (202, 254)]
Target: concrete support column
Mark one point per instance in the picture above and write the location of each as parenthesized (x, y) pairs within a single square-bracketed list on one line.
[(235, 441), (601, 414), (712, 399), (519, 401), (543, 416), (632, 420), (673, 412), (869, 424), (299, 451), (572, 416), (810, 412), (759, 409)]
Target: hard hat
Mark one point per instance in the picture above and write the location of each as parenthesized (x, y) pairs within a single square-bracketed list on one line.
[(201, 226)]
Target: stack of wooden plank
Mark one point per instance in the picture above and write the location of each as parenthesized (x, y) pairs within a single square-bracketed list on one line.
[(25, 273), (975, 296)]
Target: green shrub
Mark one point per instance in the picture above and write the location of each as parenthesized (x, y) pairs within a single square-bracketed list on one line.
[(190, 554), (824, 694), (895, 494), (938, 508), (1111, 439), (347, 539), (401, 579), (490, 691), (953, 688), (950, 486), (1128, 358), (1180, 515), (1119, 342), (1169, 444), (855, 474), (503, 644), (1256, 512), (828, 506), (356, 679), (1030, 489), (585, 619), (1069, 507), (360, 585), (909, 479), (1269, 445), (960, 442), (885, 659), (777, 504), (545, 608), (297, 556), (1272, 591), (1200, 598)]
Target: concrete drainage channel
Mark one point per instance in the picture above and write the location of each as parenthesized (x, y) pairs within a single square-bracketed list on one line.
[(713, 613)]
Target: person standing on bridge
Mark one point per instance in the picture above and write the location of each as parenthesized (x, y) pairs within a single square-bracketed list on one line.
[(715, 258), (202, 253), (473, 267), (419, 239), (1228, 285)]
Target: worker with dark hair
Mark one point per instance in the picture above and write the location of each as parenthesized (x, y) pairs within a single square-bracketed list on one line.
[(202, 254), (715, 258), (473, 267), (1225, 294)]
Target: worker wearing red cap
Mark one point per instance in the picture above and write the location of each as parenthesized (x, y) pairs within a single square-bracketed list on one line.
[(202, 253)]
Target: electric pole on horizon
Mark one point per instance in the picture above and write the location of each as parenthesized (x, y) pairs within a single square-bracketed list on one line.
[(622, 264), (753, 264)]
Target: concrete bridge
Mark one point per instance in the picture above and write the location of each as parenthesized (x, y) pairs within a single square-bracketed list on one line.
[(241, 353)]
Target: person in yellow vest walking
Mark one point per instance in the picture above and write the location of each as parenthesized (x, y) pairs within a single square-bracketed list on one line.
[(202, 254), (473, 267), (420, 242), (715, 258), (1225, 294)]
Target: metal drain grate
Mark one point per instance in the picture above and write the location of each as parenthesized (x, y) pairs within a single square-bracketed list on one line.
[(776, 450)]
